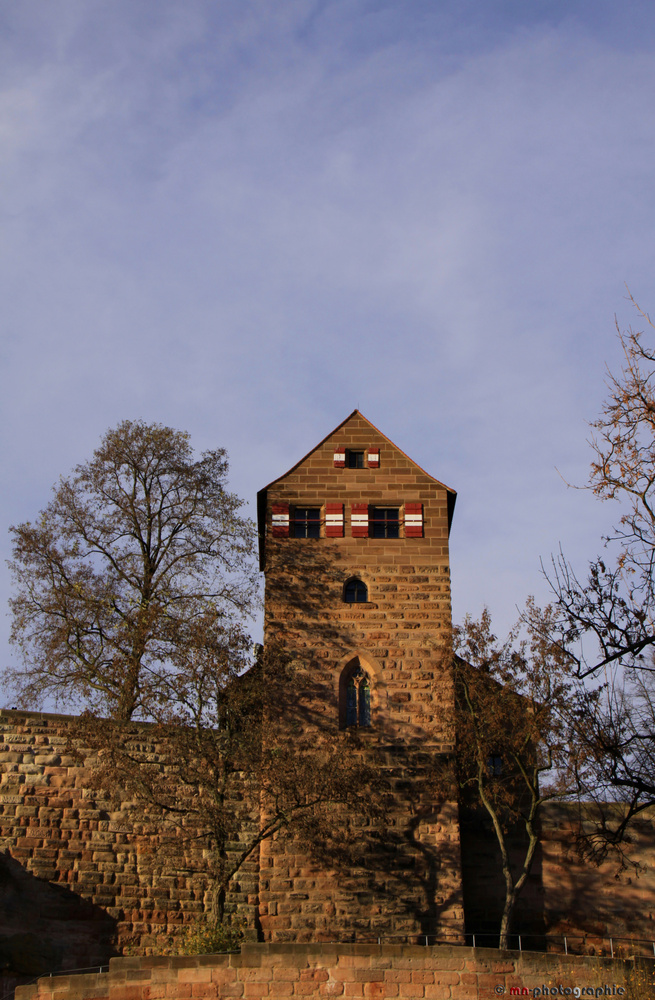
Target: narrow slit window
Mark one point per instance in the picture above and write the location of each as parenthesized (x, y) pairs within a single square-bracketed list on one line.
[(495, 765), (358, 700)]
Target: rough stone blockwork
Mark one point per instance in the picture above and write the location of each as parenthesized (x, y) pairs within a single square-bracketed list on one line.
[(407, 877), (90, 874), (277, 971)]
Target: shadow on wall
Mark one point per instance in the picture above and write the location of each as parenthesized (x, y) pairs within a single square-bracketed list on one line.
[(44, 927), (483, 885)]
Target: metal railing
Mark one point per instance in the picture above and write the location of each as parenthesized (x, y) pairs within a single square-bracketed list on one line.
[(49, 975)]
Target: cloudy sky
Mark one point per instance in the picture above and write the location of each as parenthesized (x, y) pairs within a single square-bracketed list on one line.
[(245, 218)]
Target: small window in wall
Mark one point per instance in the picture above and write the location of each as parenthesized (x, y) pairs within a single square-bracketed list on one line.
[(355, 591), (384, 522), (355, 459), (307, 522), (495, 765), (358, 699)]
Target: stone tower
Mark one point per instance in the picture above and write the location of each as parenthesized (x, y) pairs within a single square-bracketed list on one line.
[(354, 546)]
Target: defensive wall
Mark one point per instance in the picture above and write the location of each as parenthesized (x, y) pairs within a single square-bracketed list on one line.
[(89, 874), (271, 971), (91, 879)]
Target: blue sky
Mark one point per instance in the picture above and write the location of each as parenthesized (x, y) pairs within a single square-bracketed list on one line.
[(245, 219)]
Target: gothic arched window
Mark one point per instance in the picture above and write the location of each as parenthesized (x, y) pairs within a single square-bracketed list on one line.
[(358, 699), (355, 591)]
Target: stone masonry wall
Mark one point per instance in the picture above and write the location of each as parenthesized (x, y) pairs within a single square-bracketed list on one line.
[(279, 971), (408, 877), (81, 876), (91, 875)]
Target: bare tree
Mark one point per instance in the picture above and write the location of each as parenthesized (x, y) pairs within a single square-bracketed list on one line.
[(221, 764), (610, 615), (605, 620), (137, 549), (514, 750)]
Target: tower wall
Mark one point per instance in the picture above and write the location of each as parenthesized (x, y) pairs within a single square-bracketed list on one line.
[(407, 878)]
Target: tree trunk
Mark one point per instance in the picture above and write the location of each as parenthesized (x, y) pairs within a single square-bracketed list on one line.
[(506, 920)]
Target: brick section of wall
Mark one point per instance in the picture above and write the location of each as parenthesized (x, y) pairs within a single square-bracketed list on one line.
[(409, 882), (126, 872), (271, 972)]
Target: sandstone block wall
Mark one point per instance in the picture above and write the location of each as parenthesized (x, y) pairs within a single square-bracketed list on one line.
[(90, 874), (81, 876), (407, 879), (565, 895), (277, 971), (397, 633)]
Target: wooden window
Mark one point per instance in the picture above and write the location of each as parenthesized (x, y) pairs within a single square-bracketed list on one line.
[(280, 520), (307, 522), (385, 522), (413, 520), (359, 520), (334, 520)]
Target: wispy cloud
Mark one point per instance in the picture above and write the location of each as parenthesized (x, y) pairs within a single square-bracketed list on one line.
[(245, 219)]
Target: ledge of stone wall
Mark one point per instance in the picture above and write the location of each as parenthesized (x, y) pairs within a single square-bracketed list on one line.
[(262, 971)]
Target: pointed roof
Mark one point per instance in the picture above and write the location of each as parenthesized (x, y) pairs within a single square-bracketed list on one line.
[(262, 494), (356, 413)]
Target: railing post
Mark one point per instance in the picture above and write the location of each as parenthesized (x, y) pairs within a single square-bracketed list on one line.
[(611, 948), (520, 949), (566, 946)]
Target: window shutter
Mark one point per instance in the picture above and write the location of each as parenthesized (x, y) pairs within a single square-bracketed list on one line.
[(280, 527), (339, 457), (359, 520), (334, 520), (374, 458), (413, 520)]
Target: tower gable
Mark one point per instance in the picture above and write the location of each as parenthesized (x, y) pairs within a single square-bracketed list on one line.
[(356, 464)]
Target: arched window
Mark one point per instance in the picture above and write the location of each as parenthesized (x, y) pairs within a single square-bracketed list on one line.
[(355, 591), (356, 705)]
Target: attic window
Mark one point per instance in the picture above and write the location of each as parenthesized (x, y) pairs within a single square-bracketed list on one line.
[(355, 459)]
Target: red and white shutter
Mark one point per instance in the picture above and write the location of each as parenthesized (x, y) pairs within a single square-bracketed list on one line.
[(280, 525), (413, 520), (359, 520), (374, 458), (334, 520), (339, 457)]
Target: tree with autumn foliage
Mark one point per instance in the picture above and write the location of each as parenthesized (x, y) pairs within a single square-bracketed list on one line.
[(514, 747), (139, 548)]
